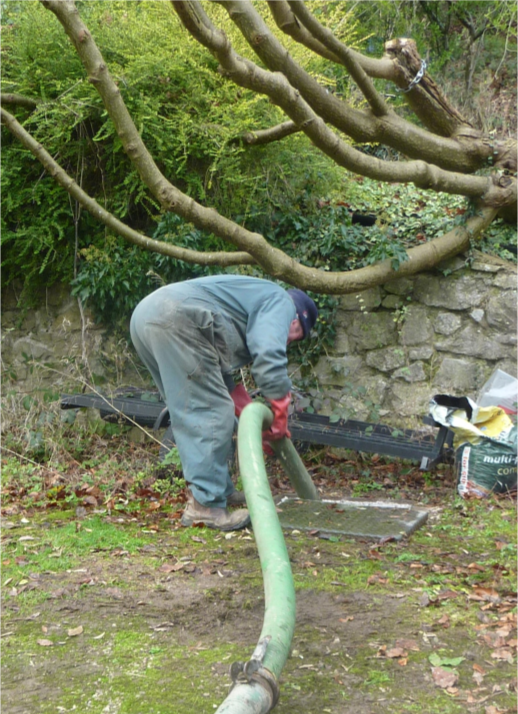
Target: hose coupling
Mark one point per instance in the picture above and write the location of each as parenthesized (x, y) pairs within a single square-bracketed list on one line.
[(253, 671)]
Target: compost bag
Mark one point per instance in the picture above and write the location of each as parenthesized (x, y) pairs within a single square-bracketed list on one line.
[(485, 444)]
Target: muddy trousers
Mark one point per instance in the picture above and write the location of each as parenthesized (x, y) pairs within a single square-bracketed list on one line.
[(176, 341)]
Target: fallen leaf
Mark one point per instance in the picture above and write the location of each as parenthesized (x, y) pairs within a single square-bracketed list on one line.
[(476, 566), (484, 594), (45, 643), (444, 678), (408, 644), (438, 661), (171, 567), (396, 652), (478, 678), (504, 653), (424, 600), (74, 631), (444, 621)]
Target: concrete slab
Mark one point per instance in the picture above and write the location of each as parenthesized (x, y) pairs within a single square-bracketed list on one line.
[(353, 517)]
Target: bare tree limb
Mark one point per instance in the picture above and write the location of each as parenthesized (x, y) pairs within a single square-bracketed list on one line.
[(288, 23), (222, 258), (425, 98), (274, 133), (360, 125), (19, 100), (327, 38), (277, 87)]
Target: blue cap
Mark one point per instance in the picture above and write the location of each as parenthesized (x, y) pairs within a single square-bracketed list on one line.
[(307, 311)]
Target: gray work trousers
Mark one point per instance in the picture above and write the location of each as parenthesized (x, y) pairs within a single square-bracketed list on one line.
[(182, 345)]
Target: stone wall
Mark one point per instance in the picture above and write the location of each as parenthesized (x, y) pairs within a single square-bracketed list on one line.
[(413, 338), (396, 345), (58, 347)]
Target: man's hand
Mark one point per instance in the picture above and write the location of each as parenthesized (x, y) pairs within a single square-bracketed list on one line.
[(279, 427), (241, 398)]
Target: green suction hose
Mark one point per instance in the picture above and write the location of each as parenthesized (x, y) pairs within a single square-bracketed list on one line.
[(255, 689)]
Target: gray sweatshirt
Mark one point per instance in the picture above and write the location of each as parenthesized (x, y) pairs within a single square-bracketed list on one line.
[(252, 318)]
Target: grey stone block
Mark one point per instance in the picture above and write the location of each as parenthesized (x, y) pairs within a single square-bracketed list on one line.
[(412, 373), (337, 371), (372, 330), (417, 327), (30, 347), (402, 286), (421, 353), (386, 359), (446, 323), (501, 311), (475, 342), (459, 377), (455, 293), (366, 300)]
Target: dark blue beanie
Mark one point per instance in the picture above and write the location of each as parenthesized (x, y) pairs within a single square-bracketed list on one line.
[(307, 311)]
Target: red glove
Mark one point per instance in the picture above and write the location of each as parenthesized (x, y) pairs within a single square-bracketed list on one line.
[(241, 398), (279, 427), (267, 449)]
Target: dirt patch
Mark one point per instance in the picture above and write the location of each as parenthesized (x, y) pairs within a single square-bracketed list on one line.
[(146, 632)]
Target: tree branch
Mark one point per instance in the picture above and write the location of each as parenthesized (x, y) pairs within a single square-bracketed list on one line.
[(275, 85), (19, 100), (327, 38), (425, 98), (222, 258), (288, 23), (275, 263), (273, 133), (360, 125)]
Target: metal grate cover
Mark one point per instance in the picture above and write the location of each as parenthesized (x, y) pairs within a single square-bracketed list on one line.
[(366, 519)]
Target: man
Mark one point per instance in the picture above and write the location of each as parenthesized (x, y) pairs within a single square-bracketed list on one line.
[(191, 335)]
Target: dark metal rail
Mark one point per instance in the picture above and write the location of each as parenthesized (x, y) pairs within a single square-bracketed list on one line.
[(312, 428)]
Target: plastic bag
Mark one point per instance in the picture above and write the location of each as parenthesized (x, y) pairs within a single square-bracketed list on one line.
[(500, 390), (485, 443)]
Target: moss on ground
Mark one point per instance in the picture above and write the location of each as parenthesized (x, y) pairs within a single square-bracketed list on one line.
[(164, 612)]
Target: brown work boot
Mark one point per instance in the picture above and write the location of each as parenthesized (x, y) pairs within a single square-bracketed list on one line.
[(218, 518), (236, 498)]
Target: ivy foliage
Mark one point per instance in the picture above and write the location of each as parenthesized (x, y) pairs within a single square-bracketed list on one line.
[(324, 234), (114, 278)]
